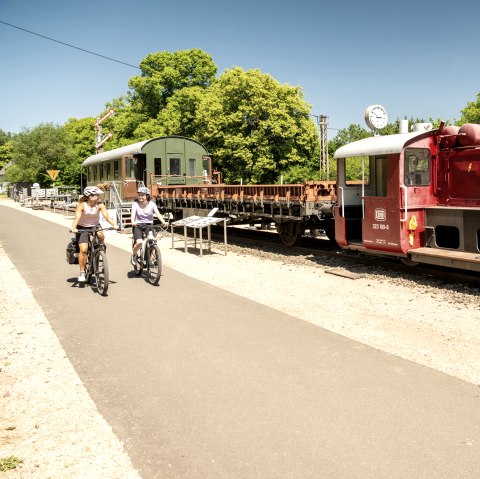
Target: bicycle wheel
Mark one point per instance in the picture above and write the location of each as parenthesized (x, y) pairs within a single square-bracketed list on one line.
[(101, 272), (154, 265)]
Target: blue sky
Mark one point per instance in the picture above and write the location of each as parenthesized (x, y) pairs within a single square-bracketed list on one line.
[(417, 58)]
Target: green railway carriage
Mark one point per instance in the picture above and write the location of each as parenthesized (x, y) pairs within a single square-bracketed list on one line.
[(168, 160)]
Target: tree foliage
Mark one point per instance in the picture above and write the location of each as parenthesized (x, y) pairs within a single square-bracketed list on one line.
[(257, 128), (164, 73), (471, 113), (36, 150)]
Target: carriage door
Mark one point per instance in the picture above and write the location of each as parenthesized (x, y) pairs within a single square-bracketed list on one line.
[(176, 169), (129, 182), (380, 224)]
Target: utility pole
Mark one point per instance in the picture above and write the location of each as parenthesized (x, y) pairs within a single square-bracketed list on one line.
[(322, 121), (99, 138)]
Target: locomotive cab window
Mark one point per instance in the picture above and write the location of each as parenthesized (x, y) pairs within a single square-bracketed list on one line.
[(357, 170), (417, 167)]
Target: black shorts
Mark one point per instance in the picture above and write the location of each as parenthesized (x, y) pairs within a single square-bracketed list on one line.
[(141, 229), (83, 232)]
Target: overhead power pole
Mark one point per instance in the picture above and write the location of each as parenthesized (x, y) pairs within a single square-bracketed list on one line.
[(100, 139), (322, 121)]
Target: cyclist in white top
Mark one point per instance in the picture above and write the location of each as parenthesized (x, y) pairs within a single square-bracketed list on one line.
[(143, 210), (87, 217)]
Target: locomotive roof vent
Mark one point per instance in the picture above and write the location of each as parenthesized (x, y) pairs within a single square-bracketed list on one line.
[(403, 126), (421, 127)]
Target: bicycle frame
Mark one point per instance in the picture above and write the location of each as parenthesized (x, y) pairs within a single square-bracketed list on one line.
[(96, 264)]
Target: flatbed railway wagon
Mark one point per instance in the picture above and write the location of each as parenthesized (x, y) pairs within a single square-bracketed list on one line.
[(178, 171)]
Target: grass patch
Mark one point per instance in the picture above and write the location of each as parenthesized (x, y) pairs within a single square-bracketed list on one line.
[(7, 463)]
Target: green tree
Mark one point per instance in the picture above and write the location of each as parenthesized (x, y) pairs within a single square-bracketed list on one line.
[(5, 148), (471, 113), (257, 128), (164, 73), (353, 132), (36, 150)]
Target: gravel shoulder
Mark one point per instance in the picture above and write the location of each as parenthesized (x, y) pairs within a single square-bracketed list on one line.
[(48, 420)]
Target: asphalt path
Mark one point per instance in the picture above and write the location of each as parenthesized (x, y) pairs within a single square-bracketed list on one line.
[(201, 383)]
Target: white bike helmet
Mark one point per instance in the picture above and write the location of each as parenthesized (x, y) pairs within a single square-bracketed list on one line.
[(92, 190), (143, 190)]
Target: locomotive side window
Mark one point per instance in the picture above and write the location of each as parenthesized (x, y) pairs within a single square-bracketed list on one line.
[(175, 166), (417, 166), (157, 166), (191, 167), (357, 170)]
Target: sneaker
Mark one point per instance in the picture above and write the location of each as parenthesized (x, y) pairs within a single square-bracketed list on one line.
[(81, 278)]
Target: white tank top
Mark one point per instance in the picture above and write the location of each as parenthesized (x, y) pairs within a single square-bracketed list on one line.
[(90, 216)]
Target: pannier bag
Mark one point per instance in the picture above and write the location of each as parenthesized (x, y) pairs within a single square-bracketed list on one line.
[(72, 251)]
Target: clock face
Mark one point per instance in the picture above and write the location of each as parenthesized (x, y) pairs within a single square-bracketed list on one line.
[(376, 117)]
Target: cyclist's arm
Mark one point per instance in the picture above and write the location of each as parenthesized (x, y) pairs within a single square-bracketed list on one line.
[(78, 214), (134, 214)]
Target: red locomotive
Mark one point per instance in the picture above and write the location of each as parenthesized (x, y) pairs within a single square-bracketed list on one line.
[(419, 198)]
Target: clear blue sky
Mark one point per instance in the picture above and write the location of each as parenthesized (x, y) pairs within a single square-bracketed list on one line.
[(417, 58)]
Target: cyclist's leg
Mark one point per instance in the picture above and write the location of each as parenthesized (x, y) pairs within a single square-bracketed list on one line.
[(137, 239), (82, 239)]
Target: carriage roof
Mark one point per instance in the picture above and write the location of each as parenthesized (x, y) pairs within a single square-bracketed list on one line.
[(379, 145), (132, 149)]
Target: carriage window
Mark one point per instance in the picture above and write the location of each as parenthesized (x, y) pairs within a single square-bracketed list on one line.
[(108, 167), (356, 168), (175, 166), (115, 170), (157, 166), (417, 166), (89, 174), (191, 167), (95, 173), (129, 171)]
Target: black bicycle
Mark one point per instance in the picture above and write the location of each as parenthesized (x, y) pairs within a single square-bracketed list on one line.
[(97, 265), (150, 257)]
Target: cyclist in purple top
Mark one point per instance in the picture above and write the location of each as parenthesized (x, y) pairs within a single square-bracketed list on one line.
[(143, 210)]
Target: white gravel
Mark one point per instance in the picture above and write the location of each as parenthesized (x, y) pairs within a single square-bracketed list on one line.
[(48, 420)]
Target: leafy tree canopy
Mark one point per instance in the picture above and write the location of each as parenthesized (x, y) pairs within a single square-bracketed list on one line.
[(36, 150), (256, 127), (471, 113), (164, 73)]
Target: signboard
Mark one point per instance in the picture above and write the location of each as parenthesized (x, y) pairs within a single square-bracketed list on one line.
[(53, 174)]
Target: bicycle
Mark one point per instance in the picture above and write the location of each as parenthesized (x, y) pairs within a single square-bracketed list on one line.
[(150, 256), (97, 264)]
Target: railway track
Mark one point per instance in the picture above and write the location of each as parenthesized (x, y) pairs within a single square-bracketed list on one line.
[(321, 251)]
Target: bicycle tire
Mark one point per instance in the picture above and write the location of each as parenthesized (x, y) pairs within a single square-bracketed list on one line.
[(101, 272), (154, 265)]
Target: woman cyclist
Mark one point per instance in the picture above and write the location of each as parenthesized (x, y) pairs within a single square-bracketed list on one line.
[(87, 218), (143, 210)]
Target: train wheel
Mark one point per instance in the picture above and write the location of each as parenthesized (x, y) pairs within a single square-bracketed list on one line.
[(290, 232), (409, 262)]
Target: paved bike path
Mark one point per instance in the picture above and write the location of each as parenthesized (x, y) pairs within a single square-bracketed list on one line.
[(201, 383)]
